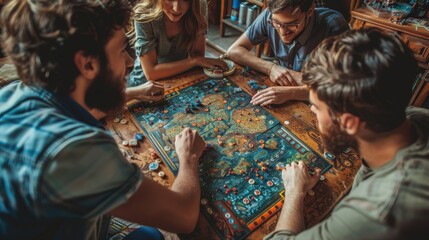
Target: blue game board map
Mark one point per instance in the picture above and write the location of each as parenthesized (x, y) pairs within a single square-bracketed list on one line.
[(247, 147)]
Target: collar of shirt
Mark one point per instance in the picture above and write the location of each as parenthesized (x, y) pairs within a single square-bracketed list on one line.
[(305, 35), (70, 106), (79, 112)]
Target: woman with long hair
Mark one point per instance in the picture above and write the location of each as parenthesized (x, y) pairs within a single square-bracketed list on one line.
[(169, 38)]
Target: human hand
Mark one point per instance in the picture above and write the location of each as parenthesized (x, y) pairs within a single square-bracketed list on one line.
[(297, 180), (212, 63), (271, 95), (189, 146), (149, 91), (285, 77)]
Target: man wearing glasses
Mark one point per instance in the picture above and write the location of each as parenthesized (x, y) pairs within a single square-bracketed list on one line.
[(293, 28)]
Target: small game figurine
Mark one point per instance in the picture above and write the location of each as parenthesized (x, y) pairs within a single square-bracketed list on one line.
[(139, 137), (132, 143), (245, 71), (253, 84), (237, 90)]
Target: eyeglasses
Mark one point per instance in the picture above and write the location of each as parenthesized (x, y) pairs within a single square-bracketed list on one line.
[(288, 26)]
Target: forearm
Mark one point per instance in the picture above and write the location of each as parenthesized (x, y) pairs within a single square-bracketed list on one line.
[(131, 93), (187, 184), (244, 57), (164, 70), (299, 93), (292, 215)]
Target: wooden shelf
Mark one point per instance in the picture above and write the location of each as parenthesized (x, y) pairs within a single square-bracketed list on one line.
[(256, 2), (226, 20), (416, 39), (234, 24), (365, 15)]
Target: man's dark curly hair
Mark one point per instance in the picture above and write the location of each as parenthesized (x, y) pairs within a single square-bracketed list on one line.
[(365, 72), (42, 36)]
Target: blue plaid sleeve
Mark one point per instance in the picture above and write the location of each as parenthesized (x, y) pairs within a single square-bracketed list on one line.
[(87, 178)]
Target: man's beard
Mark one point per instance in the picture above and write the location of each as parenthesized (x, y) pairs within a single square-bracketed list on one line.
[(106, 93), (335, 140)]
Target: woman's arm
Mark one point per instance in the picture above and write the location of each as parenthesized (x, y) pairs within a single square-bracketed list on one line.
[(155, 71)]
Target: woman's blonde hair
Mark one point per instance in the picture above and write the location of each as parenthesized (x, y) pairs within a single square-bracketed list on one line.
[(194, 20)]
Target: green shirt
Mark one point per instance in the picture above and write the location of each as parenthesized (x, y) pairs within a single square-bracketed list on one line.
[(383, 202)]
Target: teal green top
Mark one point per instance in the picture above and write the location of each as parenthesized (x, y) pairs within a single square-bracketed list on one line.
[(152, 35)]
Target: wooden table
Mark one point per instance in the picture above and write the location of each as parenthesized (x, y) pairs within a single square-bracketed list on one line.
[(301, 122)]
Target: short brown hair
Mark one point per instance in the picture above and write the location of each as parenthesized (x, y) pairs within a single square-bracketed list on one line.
[(276, 6)]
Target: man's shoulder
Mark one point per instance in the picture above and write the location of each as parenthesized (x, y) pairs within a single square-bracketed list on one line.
[(327, 12), (402, 178), (326, 16), (329, 22), (17, 98), (34, 114)]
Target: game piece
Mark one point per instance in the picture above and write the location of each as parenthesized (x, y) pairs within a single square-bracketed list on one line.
[(329, 155), (219, 73), (139, 137), (253, 84), (153, 166), (132, 142), (124, 121), (237, 90)]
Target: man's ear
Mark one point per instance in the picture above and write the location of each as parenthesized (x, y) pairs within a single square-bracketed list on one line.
[(310, 10), (88, 65), (350, 123)]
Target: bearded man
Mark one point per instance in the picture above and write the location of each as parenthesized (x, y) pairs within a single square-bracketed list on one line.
[(61, 171), (360, 83)]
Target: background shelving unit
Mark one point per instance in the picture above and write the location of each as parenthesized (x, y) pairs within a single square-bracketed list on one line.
[(225, 20), (416, 39)]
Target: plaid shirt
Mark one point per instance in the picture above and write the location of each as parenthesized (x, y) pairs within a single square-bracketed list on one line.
[(60, 170)]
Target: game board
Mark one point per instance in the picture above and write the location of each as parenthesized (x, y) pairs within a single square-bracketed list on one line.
[(247, 147)]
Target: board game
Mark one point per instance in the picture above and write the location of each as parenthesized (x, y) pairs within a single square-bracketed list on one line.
[(240, 171)]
